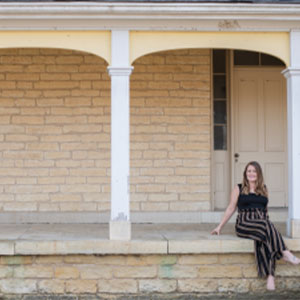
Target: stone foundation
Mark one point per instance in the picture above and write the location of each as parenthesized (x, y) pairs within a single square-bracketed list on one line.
[(110, 276)]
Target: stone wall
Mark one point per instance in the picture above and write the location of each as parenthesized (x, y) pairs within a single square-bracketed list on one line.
[(170, 131), (55, 131), (138, 274)]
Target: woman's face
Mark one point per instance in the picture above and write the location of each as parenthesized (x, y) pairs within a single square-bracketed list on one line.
[(251, 174)]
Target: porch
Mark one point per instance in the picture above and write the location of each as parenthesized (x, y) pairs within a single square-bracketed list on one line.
[(166, 239), (160, 259)]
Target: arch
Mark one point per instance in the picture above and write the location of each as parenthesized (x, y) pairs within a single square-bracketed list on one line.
[(95, 42), (273, 43)]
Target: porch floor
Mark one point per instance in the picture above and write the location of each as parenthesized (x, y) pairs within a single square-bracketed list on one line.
[(63, 239)]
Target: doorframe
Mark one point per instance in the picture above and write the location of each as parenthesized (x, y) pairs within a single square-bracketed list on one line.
[(228, 114), (232, 116)]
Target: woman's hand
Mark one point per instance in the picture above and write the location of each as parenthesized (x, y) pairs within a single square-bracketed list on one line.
[(216, 231)]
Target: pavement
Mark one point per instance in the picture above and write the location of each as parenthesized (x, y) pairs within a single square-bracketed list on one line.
[(231, 296)]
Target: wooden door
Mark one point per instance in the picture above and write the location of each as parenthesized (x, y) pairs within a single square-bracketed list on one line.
[(259, 128)]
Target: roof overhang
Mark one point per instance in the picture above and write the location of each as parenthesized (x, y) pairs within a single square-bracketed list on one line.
[(149, 16)]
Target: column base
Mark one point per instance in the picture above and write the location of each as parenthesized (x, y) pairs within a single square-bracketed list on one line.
[(120, 230), (294, 228)]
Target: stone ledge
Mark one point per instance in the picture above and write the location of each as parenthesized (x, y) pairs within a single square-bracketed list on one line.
[(105, 247), (89, 247), (63, 239)]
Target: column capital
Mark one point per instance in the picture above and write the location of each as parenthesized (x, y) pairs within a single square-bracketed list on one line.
[(119, 71), (291, 71)]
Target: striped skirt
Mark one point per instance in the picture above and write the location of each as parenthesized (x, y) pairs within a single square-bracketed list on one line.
[(254, 224)]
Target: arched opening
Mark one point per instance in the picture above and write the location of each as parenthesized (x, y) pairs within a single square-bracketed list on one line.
[(182, 113), (171, 135), (272, 43), (55, 134), (95, 42)]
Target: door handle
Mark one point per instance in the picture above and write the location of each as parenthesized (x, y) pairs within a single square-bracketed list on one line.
[(236, 157)]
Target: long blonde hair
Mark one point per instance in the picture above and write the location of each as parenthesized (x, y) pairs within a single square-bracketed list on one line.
[(260, 188)]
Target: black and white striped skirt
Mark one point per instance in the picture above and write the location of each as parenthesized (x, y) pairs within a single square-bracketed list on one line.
[(254, 224)]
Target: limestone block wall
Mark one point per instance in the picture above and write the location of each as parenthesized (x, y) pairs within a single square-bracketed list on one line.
[(170, 131), (112, 275), (55, 131)]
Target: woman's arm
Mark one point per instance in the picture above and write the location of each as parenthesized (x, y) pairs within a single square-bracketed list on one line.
[(229, 211)]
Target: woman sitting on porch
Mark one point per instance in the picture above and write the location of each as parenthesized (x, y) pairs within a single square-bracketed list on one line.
[(251, 198)]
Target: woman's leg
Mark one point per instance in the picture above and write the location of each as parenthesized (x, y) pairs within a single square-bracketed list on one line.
[(270, 283), (289, 257), (269, 245)]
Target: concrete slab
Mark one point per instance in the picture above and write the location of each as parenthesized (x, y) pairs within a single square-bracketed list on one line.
[(62, 239), (62, 232), (12, 231), (7, 248), (90, 247)]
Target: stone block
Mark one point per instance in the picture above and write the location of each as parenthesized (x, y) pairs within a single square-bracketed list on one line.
[(136, 272), (157, 285), (288, 270), (203, 259), (95, 271), (249, 271), (29, 271), (117, 286), (6, 271), (236, 259), (197, 285), (177, 271), (234, 285), (98, 260), (18, 286), (16, 260), (48, 259), (6, 247), (219, 271), (66, 272), (81, 286), (53, 286)]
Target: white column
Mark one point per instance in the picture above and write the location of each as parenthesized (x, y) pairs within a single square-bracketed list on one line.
[(293, 115), (120, 70)]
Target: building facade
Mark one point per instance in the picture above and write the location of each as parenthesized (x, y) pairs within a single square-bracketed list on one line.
[(117, 111)]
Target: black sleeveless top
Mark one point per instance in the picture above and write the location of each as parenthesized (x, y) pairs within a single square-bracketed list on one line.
[(251, 200)]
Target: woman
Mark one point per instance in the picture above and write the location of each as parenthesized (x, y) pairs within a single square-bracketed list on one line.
[(251, 198)]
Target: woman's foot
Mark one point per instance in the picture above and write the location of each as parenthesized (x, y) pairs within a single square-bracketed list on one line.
[(271, 283), (289, 257)]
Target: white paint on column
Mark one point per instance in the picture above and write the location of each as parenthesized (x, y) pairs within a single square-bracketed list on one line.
[(293, 115), (120, 71), (120, 136)]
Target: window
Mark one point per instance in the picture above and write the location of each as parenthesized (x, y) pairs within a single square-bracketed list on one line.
[(220, 99), (251, 58)]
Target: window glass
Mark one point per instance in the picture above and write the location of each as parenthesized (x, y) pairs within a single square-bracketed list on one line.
[(219, 100), (268, 60), (220, 137), (246, 58), (219, 65), (220, 112), (219, 86)]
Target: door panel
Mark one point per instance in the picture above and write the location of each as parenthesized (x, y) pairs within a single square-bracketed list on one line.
[(274, 127), (259, 121), (247, 114), (221, 179)]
